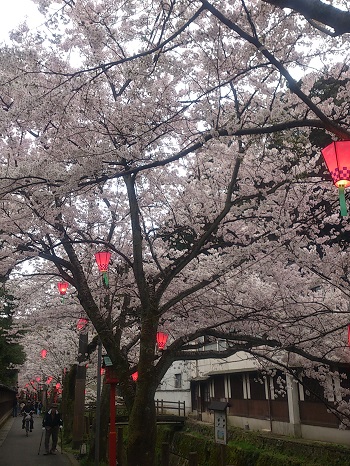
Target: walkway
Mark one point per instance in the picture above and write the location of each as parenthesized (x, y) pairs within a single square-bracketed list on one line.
[(18, 450)]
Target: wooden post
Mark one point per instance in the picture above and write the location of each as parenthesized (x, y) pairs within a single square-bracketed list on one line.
[(120, 446), (192, 459), (223, 455), (112, 431), (165, 454)]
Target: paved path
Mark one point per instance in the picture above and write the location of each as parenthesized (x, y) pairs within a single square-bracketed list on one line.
[(18, 450)]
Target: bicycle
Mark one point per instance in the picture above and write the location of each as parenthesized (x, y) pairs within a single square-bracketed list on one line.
[(28, 419)]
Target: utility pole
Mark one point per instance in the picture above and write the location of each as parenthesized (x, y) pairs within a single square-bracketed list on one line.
[(80, 382)]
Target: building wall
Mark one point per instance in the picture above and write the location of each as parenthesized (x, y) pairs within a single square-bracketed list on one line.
[(7, 398), (258, 403)]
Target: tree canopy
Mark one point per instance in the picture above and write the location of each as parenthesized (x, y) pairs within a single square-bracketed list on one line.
[(184, 138), (12, 354)]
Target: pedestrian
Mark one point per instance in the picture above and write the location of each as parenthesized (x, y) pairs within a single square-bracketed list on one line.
[(52, 423), (38, 408), (15, 408)]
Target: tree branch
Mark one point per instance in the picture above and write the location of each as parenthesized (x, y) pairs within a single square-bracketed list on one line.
[(318, 11)]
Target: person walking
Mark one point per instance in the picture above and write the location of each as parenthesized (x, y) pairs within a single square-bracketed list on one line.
[(52, 423), (15, 407)]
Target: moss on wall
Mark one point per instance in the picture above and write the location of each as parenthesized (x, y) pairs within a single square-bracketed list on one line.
[(246, 449)]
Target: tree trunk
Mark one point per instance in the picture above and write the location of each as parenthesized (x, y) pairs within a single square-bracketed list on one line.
[(142, 431), (67, 407)]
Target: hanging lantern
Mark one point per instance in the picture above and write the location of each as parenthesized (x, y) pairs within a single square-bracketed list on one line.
[(135, 376), (161, 340), (43, 353), (337, 158), (62, 288), (102, 259), (82, 323), (58, 385)]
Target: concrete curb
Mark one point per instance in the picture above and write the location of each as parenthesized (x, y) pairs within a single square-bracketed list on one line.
[(72, 459)]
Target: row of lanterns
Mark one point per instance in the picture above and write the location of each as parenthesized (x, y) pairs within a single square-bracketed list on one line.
[(102, 259), (161, 342)]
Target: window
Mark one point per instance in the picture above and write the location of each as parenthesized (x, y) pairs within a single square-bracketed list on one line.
[(313, 390), (178, 380), (237, 386), (211, 344), (257, 386)]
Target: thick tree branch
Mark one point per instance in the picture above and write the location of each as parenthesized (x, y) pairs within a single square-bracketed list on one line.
[(318, 11)]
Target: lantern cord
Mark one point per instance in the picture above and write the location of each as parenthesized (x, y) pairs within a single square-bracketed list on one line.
[(343, 209), (105, 278)]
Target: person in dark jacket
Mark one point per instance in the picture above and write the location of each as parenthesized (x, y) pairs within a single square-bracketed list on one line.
[(28, 410), (52, 423)]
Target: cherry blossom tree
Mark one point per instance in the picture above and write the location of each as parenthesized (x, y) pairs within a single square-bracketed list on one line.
[(184, 138), (12, 354)]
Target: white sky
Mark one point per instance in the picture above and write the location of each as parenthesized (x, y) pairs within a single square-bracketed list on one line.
[(14, 12)]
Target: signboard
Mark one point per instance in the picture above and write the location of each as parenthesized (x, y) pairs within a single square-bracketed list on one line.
[(220, 424), (110, 374)]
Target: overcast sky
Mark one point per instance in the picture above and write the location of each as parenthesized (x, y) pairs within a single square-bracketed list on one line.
[(13, 12)]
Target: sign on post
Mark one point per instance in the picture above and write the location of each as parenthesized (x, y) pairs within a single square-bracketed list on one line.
[(220, 420), (220, 423)]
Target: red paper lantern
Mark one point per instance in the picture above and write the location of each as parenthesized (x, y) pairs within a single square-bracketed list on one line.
[(135, 376), (337, 158), (43, 353), (58, 385), (102, 259), (62, 287), (82, 323), (161, 340)]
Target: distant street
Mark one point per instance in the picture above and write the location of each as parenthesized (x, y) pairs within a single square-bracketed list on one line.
[(18, 450)]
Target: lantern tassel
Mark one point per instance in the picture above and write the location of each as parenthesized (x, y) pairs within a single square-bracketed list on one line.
[(105, 278), (343, 209)]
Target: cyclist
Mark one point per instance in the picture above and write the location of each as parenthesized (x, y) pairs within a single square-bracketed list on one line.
[(28, 410)]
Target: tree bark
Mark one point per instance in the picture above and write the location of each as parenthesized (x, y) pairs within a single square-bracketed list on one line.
[(317, 10), (67, 407), (142, 429)]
